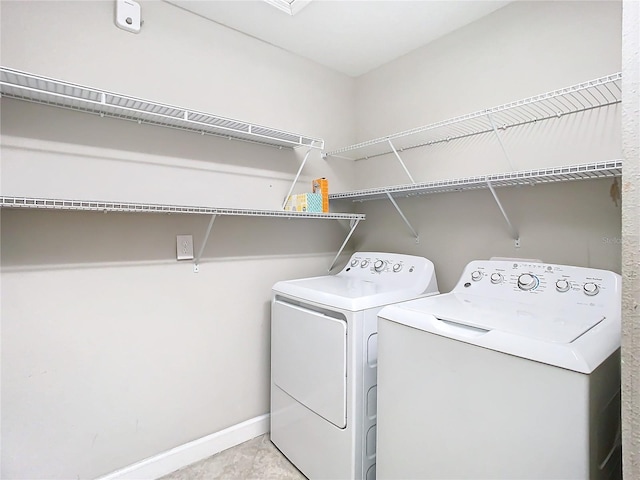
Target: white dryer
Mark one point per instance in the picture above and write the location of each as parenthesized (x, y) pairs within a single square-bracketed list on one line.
[(515, 374), (324, 361)]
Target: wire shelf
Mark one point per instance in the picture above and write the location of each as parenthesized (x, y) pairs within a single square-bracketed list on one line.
[(585, 96), (611, 168), (48, 91), (98, 206)]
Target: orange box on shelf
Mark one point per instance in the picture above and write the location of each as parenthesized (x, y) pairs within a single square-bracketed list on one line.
[(321, 185)]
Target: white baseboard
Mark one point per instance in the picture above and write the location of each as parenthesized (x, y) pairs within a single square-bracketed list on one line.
[(176, 458)]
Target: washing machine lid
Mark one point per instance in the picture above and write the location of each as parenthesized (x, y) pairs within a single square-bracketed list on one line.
[(578, 339), (340, 292), (540, 323)]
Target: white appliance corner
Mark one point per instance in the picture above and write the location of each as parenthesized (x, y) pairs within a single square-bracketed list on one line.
[(191, 452)]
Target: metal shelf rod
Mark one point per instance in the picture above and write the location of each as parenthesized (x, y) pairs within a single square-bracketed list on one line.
[(514, 233), (295, 180), (401, 162), (404, 218), (354, 224), (196, 263)]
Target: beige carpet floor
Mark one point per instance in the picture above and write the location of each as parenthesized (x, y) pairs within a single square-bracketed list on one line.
[(257, 459)]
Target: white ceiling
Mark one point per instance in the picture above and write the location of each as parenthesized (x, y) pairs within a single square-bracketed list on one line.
[(350, 36)]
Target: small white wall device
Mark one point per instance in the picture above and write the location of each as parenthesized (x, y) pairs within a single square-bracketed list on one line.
[(128, 15)]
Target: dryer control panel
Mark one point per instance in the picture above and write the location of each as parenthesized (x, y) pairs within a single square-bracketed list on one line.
[(388, 268), (533, 282)]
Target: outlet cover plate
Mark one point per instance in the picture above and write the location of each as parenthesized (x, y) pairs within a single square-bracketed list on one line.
[(184, 247)]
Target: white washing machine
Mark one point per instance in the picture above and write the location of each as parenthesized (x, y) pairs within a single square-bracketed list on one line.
[(324, 361), (514, 374)]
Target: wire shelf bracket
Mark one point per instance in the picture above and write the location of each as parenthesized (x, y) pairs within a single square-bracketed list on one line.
[(514, 233), (404, 218), (406, 170), (295, 180), (196, 263), (353, 224)]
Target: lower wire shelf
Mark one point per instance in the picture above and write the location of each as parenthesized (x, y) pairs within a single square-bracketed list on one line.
[(129, 207), (609, 168)]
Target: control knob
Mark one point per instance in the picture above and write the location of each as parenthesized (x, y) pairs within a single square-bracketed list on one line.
[(496, 278), (590, 289), (476, 276), (378, 266), (364, 263), (397, 267), (526, 281), (563, 286), (354, 262)]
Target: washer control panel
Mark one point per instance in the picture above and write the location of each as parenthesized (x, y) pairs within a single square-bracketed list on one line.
[(517, 280)]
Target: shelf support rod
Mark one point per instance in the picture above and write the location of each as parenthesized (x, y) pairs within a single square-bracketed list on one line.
[(401, 162), (196, 263), (415, 234), (514, 233), (296, 179), (504, 150), (354, 224)]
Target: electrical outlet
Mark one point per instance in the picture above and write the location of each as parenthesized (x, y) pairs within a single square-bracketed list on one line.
[(184, 247)]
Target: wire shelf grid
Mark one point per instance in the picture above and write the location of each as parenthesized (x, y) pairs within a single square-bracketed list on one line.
[(43, 90), (601, 92), (128, 207), (611, 168)]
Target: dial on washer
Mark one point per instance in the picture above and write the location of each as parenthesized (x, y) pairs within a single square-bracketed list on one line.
[(526, 281)]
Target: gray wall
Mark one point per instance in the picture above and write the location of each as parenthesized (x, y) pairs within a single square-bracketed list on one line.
[(631, 240), (112, 351), (523, 49)]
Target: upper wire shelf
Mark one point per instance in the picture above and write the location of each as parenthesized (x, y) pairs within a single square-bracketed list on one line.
[(48, 91), (128, 207), (611, 168), (597, 93)]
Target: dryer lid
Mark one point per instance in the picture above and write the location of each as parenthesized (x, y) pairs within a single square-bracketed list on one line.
[(548, 325), (351, 294)]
